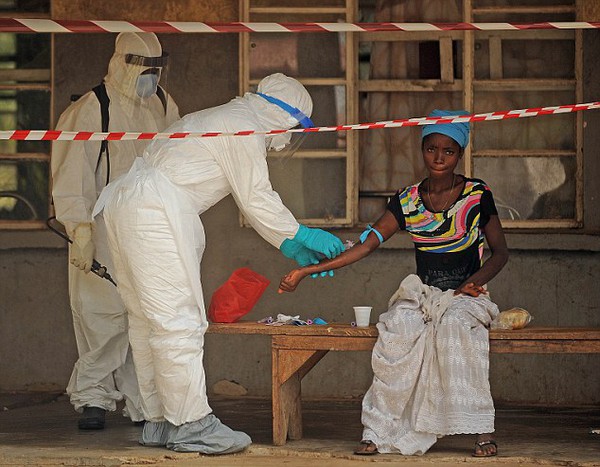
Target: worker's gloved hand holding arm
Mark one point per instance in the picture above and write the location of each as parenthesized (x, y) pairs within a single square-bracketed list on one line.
[(82, 248), (303, 256), (320, 241)]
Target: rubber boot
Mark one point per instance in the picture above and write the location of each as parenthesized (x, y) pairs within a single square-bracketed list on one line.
[(92, 419)]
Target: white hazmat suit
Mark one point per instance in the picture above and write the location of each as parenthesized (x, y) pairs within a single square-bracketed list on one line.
[(104, 372), (157, 241)]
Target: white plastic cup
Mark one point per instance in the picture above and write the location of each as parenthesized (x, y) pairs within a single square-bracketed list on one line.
[(362, 316)]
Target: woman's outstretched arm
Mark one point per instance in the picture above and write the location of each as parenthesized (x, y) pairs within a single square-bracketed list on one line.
[(387, 226)]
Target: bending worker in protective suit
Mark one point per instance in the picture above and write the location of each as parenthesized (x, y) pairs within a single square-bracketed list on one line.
[(104, 372), (157, 241)]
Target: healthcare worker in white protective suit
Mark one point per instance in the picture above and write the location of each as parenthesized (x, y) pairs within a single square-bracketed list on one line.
[(157, 241), (104, 372)]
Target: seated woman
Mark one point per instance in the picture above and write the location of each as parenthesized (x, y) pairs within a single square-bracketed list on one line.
[(431, 358)]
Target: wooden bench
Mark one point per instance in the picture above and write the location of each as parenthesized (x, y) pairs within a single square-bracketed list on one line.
[(295, 350)]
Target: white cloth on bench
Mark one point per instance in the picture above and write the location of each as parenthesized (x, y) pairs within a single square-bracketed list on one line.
[(430, 365)]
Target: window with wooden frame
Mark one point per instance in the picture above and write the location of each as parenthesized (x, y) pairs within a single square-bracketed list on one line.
[(319, 183), (25, 92), (533, 165)]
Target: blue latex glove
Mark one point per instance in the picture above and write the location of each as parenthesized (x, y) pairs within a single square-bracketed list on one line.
[(302, 255), (322, 274), (299, 253), (319, 240)]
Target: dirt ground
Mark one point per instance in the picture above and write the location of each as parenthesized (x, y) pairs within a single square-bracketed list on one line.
[(42, 431)]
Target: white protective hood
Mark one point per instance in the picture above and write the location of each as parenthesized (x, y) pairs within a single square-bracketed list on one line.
[(145, 44), (76, 178), (286, 89)]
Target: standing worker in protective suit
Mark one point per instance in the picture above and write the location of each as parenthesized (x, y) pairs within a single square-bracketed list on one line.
[(104, 372), (157, 242)]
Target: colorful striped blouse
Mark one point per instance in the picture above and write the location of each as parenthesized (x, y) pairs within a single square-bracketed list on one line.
[(448, 244)]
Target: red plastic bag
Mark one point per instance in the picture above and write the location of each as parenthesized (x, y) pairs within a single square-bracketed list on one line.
[(237, 296)]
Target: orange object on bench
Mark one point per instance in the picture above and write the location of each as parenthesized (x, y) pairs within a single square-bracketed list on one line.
[(295, 350)]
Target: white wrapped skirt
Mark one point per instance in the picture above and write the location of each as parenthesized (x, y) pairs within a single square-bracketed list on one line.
[(431, 369)]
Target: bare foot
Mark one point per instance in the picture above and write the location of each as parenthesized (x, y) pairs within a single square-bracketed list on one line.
[(366, 448)]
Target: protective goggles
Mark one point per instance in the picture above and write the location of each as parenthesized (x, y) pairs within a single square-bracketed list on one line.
[(304, 121), (150, 62)]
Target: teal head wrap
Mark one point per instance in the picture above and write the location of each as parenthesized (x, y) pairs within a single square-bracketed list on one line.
[(459, 132)]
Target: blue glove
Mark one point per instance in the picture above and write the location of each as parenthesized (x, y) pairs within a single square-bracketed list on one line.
[(299, 253), (302, 255), (320, 241), (322, 274)]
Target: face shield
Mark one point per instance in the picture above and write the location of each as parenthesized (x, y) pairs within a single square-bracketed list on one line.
[(286, 144), (142, 77)]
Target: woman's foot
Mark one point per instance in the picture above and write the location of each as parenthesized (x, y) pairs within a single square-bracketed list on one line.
[(485, 446), (366, 448)]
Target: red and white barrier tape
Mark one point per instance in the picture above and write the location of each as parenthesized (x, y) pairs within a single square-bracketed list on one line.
[(54, 135), (88, 26)]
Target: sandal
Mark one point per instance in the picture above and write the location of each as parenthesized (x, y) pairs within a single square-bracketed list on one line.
[(366, 448), (479, 448)]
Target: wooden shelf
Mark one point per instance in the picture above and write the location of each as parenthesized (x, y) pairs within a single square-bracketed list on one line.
[(297, 10), (523, 153), (25, 87), (314, 154), (31, 156), (540, 223), (349, 97), (522, 84), (524, 10), (23, 74), (405, 85), (24, 15), (312, 81)]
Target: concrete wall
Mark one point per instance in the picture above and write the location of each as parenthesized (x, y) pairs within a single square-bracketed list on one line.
[(554, 276), (557, 287)]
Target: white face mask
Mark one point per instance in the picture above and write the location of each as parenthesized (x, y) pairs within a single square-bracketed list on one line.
[(278, 142), (146, 85)]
